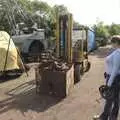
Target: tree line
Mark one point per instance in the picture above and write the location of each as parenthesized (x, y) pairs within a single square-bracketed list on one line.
[(106, 31)]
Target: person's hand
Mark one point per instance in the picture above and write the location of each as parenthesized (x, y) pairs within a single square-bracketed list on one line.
[(109, 85), (105, 75)]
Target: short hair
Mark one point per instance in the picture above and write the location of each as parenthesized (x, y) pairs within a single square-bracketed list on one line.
[(116, 39)]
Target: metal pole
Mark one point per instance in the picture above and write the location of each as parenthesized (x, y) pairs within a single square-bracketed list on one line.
[(57, 36), (69, 40)]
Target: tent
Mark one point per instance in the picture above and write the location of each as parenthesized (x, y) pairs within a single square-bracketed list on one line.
[(9, 57)]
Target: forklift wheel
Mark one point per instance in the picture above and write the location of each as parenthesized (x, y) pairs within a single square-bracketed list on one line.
[(77, 73), (88, 67), (82, 69)]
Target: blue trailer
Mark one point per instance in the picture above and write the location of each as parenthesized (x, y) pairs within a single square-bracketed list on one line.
[(84, 35), (91, 40)]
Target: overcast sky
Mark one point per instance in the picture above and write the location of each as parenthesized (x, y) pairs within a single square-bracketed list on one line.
[(88, 11)]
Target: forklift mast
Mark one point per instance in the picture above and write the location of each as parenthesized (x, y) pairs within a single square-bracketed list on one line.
[(64, 37), (69, 48)]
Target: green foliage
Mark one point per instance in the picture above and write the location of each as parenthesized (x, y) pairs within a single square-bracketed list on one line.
[(4, 25), (43, 7), (60, 10), (114, 29), (101, 30), (28, 11), (104, 32)]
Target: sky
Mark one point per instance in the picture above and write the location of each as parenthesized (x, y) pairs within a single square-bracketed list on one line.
[(87, 12)]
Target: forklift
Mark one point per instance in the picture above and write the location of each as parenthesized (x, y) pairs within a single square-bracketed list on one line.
[(57, 74), (71, 50)]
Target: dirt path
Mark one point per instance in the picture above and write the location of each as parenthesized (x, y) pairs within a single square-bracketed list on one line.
[(18, 100)]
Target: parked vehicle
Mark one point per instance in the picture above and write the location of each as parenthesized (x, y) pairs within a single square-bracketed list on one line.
[(91, 40), (84, 35), (31, 44)]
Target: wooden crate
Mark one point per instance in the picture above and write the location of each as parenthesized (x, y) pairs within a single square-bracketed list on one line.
[(57, 83)]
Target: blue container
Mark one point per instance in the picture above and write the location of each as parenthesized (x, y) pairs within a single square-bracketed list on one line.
[(91, 40)]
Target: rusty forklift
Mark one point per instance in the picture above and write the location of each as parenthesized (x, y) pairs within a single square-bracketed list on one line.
[(70, 49), (57, 75)]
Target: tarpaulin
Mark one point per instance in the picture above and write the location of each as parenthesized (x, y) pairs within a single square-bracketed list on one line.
[(13, 60)]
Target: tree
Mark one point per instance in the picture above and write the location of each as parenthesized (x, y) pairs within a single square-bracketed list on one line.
[(102, 33), (101, 30), (114, 29), (40, 13), (28, 12), (60, 10), (13, 12)]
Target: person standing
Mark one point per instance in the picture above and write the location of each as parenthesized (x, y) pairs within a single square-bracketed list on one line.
[(111, 108)]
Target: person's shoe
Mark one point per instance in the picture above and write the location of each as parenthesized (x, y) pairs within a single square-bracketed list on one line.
[(97, 117)]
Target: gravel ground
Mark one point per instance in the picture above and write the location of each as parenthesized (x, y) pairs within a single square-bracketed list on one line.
[(18, 99)]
